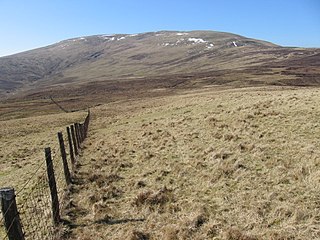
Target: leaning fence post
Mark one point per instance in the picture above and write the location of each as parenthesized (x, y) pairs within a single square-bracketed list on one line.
[(64, 159), (74, 140), (53, 187), (10, 214), (70, 147)]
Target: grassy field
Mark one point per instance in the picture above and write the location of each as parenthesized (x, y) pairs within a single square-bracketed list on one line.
[(201, 164), (231, 164), (186, 141), (22, 160), (22, 143)]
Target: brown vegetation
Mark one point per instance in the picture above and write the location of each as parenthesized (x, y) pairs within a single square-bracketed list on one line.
[(233, 164), (187, 145)]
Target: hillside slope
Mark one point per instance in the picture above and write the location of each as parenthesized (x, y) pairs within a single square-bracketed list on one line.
[(124, 56), (234, 164)]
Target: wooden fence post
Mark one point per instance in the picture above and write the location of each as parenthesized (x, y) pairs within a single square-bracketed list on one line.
[(85, 127), (10, 214), (81, 132), (53, 187), (74, 140), (76, 127), (64, 159), (70, 147), (86, 124)]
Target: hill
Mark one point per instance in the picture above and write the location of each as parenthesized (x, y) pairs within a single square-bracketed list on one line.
[(160, 59), (232, 164), (186, 140)]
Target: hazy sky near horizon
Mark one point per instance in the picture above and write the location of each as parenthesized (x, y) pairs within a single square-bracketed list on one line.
[(29, 24)]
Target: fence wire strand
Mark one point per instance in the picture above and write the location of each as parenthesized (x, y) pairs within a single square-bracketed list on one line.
[(33, 199), (35, 209), (6, 236)]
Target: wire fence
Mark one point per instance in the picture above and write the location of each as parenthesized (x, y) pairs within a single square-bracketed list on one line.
[(34, 211)]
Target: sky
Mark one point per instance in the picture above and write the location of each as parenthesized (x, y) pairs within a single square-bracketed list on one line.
[(29, 24)]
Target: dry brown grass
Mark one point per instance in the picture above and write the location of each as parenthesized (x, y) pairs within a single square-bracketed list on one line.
[(234, 164), (22, 143), (205, 164), (22, 163)]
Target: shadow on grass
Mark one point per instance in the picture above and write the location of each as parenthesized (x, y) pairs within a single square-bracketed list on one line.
[(109, 221), (106, 221)]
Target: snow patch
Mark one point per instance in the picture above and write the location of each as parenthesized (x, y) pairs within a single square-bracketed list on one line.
[(109, 38), (210, 46), (181, 34), (196, 40), (77, 39), (234, 44), (63, 46), (118, 39), (107, 35), (179, 41)]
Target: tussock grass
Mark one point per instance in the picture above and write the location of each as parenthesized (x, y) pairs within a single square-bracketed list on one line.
[(205, 164), (22, 143), (22, 164), (234, 164)]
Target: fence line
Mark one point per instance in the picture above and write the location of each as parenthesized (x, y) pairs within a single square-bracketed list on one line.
[(35, 210), (59, 106)]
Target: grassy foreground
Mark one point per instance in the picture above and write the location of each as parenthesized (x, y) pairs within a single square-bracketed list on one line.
[(22, 163), (22, 143), (232, 164)]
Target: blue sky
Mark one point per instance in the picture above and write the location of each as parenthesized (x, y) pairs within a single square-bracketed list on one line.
[(28, 24)]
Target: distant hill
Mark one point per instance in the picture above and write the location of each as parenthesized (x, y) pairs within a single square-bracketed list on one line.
[(132, 56)]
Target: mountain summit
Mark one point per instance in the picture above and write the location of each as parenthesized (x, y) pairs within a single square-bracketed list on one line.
[(131, 56)]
